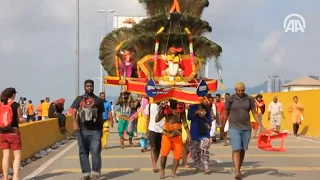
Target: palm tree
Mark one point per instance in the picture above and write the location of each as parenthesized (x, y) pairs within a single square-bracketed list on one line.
[(140, 39)]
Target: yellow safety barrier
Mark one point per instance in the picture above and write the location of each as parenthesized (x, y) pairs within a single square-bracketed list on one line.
[(309, 99), (39, 135)]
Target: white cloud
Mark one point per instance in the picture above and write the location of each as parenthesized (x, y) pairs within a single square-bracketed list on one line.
[(271, 50), (270, 43), (278, 58)]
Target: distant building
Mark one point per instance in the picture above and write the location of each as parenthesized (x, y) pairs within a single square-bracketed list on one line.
[(275, 84), (126, 21), (302, 84)]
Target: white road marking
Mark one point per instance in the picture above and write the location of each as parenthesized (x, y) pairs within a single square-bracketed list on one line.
[(310, 140), (50, 161)]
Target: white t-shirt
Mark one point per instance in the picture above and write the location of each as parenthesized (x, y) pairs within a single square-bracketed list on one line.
[(275, 109), (153, 126)]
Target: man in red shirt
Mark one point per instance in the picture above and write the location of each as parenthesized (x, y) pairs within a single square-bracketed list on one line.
[(220, 114)]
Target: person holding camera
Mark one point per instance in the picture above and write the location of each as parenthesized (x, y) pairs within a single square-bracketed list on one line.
[(201, 120), (125, 101), (23, 107), (175, 117)]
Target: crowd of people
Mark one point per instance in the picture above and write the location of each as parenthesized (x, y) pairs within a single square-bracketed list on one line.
[(167, 126), (184, 129)]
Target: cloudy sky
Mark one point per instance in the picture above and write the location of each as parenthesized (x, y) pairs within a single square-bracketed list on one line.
[(38, 41)]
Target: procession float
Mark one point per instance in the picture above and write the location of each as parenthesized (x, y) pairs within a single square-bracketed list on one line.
[(162, 55)]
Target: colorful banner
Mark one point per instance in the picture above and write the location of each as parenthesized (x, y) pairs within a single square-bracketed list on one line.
[(138, 86), (221, 80)]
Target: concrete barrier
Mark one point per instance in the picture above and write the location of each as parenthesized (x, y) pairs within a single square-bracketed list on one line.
[(309, 99), (39, 135)]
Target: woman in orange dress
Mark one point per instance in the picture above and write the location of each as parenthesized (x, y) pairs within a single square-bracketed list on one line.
[(296, 110)]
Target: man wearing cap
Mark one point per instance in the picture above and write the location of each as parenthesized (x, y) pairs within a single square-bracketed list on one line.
[(237, 109), (56, 109)]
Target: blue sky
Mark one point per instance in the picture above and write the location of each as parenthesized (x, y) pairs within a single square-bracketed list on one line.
[(37, 42)]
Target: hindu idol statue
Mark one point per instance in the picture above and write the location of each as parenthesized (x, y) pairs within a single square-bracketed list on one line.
[(126, 65), (173, 72)]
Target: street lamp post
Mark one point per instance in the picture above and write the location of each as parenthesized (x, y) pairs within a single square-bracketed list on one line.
[(102, 88), (78, 50), (99, 80)]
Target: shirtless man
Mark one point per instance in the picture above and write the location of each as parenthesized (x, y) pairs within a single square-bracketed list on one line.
[(125, 101), (175, 117)]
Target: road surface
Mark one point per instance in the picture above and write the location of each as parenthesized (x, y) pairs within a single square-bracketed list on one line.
[(301, 161)]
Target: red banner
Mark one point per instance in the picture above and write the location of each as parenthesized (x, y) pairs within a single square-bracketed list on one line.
[(138, 85)]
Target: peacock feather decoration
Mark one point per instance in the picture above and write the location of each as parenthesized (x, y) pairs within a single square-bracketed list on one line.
[(140, 38)]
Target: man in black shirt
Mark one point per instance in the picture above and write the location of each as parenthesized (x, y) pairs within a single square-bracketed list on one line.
[(87, 117)]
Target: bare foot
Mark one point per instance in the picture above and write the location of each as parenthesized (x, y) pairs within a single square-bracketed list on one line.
[(155, 170), (238, 177), (186, 166), (121, 147), (174, 176), (161, 174)]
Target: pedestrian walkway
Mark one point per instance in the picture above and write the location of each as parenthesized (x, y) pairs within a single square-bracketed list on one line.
[(301, 161)]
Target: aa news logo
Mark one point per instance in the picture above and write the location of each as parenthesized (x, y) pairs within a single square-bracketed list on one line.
[(294, 23)]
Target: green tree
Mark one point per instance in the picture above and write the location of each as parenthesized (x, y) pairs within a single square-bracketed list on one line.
[(140, 39)]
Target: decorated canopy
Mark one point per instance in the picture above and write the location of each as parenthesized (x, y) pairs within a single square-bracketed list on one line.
[(162, 54)]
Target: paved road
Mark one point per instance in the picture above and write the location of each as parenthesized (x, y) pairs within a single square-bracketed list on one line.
[(301, 161)]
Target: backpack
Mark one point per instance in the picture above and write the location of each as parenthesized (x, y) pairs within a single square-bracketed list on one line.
[(6, 116), (87, 110)]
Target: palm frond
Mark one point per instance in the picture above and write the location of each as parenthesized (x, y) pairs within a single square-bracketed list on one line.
[(154, 23), (193, 7), (205, 48), (196, 25), (144, 44), (155, 7), (151, 24), (188, 7)]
